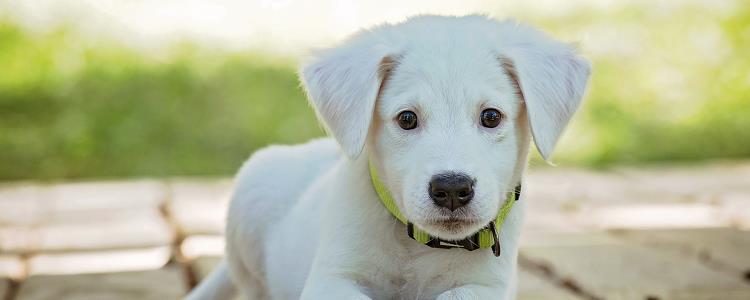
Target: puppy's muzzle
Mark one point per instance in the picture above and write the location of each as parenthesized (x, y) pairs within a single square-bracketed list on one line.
[(451, 190)]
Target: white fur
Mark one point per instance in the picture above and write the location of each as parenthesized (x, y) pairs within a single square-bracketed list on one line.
[(305, 221)]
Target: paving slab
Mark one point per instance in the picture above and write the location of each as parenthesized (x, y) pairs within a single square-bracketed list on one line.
[(4, 287), (21, 203), (104, 196), (547, 220), (99, 261), (654, 216), (11, 266), (722, 248), (709, 195), (550, 239), (697, 182), (625, 271), (28, 203), (532, 287), (710, 295), (592, 201), (736, 207), (165, 283), (82, 216), (566, 189), (199, 206), (128, 228), (202, 266), (202, 245)]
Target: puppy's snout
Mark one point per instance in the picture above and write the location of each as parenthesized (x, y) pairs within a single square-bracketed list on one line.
[(451, 190)]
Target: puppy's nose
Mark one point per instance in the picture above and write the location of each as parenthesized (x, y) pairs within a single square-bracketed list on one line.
[(451, 190)]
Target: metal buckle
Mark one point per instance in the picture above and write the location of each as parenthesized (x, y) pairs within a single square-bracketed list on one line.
[(496, 245), (471, 243), (517, 192)]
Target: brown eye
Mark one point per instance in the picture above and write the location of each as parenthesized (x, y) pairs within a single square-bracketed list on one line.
[(491, 118), (407, 120)]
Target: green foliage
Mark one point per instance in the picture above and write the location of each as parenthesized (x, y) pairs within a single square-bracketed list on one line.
[(680, 92), (661, 91), (67, 112)]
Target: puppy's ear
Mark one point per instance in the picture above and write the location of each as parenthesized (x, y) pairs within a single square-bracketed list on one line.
[(343, 84), (551, 79)]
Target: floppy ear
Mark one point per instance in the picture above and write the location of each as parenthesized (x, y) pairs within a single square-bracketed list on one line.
[(342, 85), (551, 78)]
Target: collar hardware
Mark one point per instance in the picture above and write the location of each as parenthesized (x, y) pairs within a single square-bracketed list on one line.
[(493, 230), (486, 237)]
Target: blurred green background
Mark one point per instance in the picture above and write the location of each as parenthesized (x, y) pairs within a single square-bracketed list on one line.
[(668, 85)]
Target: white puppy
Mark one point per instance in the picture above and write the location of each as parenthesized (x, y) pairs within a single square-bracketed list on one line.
[(438, 114)]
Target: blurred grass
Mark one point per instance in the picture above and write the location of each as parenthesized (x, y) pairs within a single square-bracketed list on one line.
[(681, 93), (668, 85), (71, 112)]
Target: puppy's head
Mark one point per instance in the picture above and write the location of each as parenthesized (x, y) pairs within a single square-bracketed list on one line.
[(445, 108)]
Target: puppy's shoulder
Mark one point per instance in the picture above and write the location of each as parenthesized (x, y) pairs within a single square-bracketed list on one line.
[(286, 165), (317, 151)]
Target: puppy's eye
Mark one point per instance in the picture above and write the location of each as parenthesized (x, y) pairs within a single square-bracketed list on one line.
[(491, 117), (407, 120)]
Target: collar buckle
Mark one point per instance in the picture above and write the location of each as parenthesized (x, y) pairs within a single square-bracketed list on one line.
[(470, 243), (496, 245)]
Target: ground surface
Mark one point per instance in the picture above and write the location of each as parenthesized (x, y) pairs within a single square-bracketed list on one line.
[(649, 233)]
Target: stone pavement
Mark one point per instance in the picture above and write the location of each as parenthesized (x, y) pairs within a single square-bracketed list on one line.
[(669, 232)]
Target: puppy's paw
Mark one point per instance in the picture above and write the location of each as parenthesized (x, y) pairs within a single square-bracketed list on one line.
[(460, 293)]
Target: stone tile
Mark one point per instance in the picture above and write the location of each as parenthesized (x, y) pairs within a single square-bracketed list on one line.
[(555, 221), (711, 295), (99, 261), (736, 207), (107, 196), (653, 216), (531, 287), (575, 199), (202, 266), (202, 245), (566, 239), (199, 206), (565, 189), (165, 283), (33, 204), (4, 287), (11, 266), (129, 228), (724, 248), (625, 271), (21, 204), (695, 196), (691, 181), (82, 216)]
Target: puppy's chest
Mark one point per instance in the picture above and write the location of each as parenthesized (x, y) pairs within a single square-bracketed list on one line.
[(422, 274), (407, 281)]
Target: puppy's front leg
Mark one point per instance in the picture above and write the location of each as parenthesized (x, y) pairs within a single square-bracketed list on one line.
[(332, 288), (470, 292)]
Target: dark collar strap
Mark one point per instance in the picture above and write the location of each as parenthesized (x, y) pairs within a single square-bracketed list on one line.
[(470, 243)]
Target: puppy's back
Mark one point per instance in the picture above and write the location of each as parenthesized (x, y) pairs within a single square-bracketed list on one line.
[(267, 186)]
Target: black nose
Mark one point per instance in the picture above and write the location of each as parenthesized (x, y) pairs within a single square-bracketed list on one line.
[(451, 190)]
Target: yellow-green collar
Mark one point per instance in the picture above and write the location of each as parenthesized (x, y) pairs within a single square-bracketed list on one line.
[(485, 238)]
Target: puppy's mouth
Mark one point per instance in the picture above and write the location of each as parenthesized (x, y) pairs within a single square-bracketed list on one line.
[(453, 225)]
